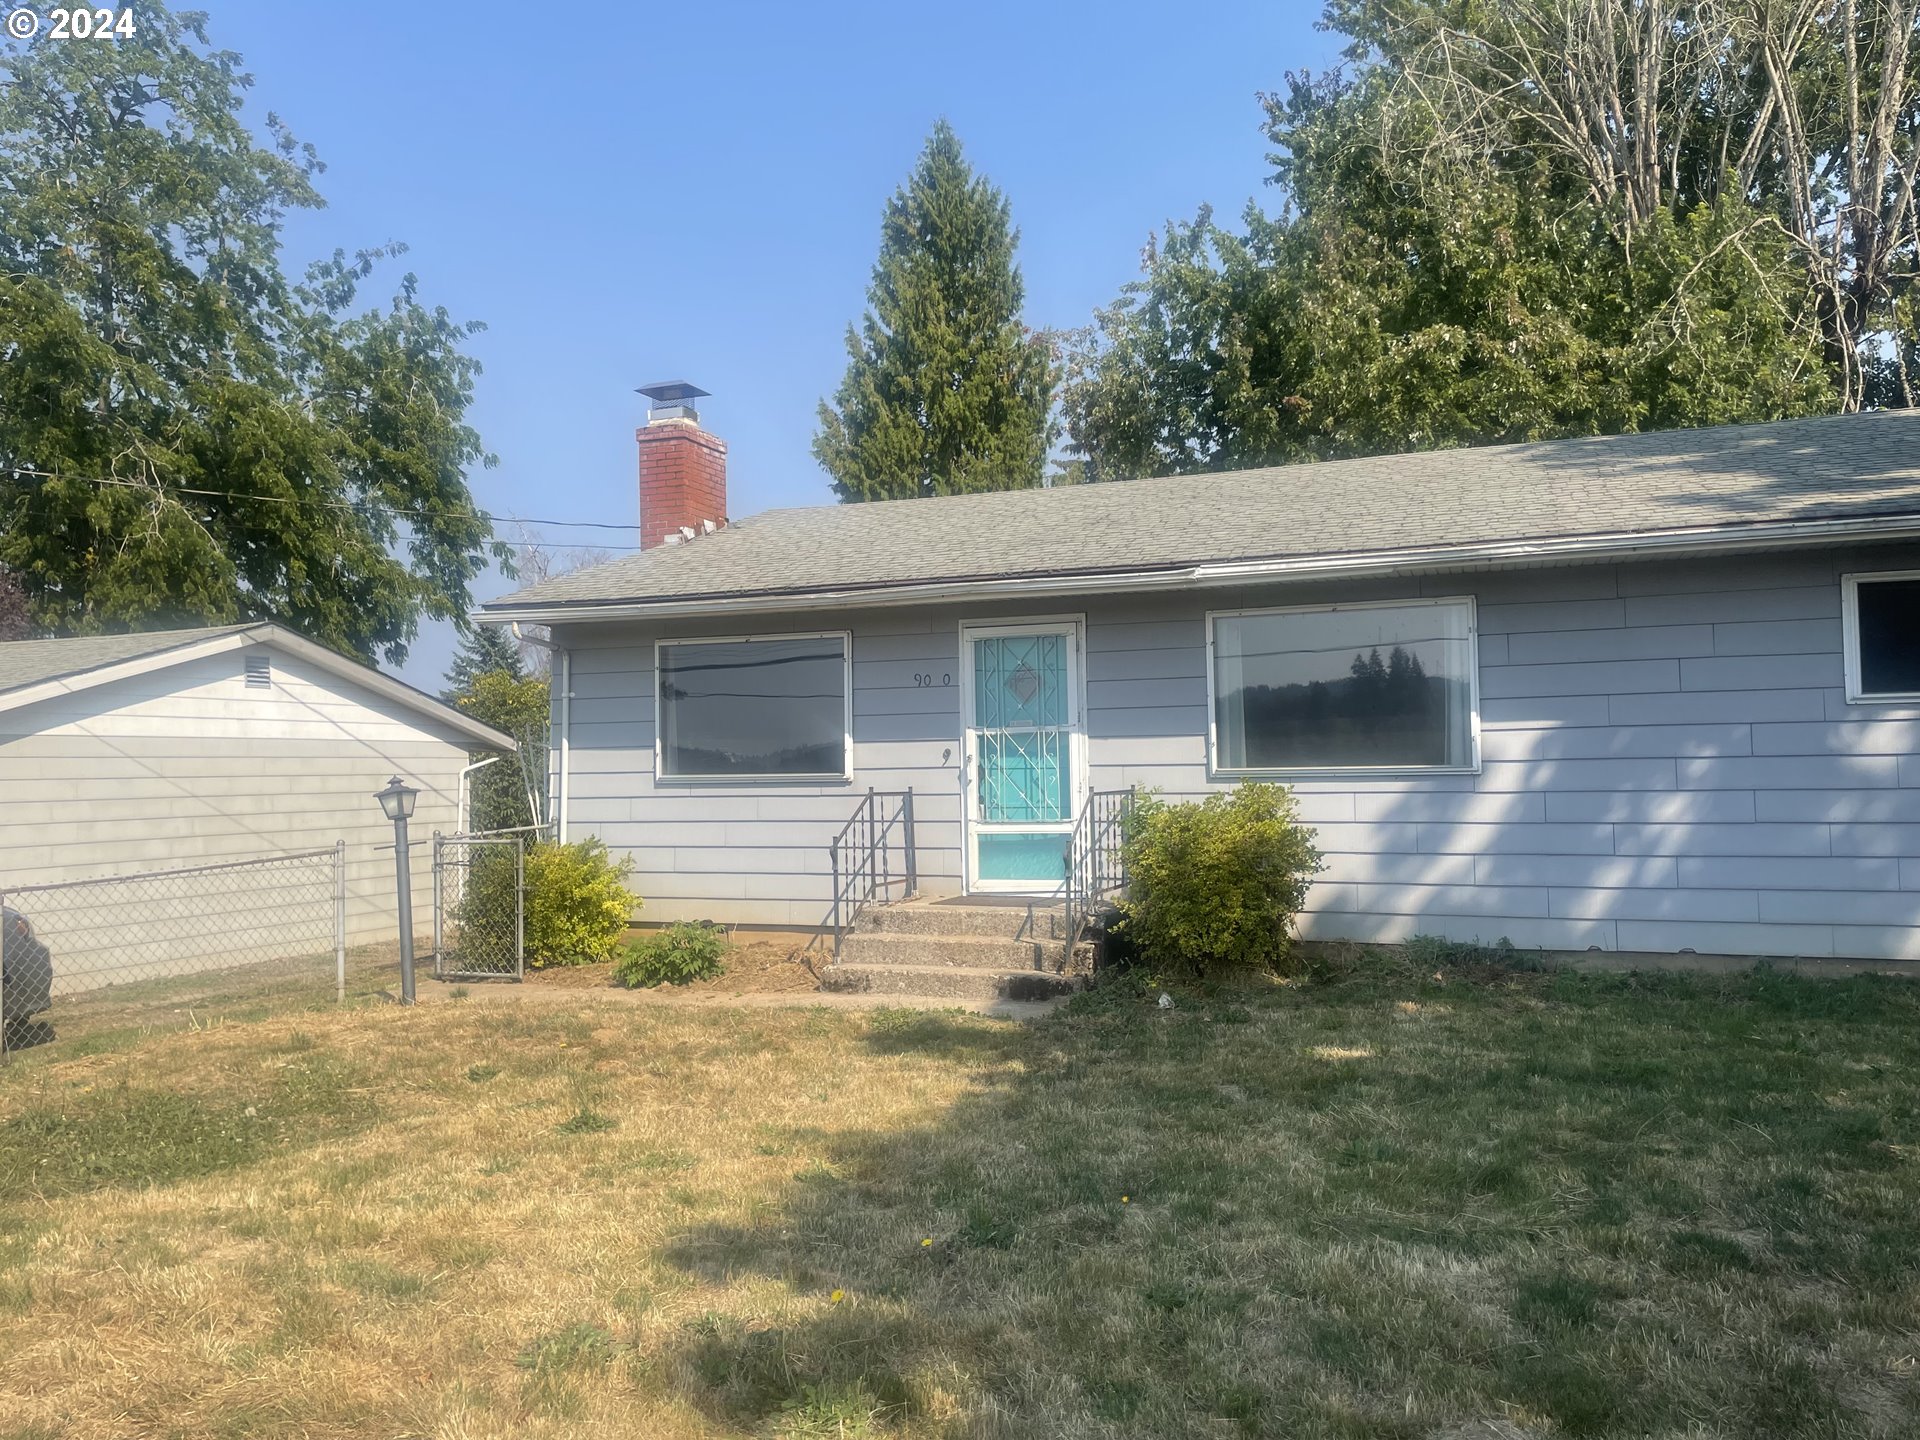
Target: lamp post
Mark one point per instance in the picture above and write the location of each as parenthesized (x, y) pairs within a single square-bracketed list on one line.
[(397, 802)]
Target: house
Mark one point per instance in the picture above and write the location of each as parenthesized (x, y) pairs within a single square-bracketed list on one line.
[(1646, 693), (185, 749)]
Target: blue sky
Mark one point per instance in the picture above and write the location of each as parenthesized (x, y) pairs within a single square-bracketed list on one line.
[(627, 193)]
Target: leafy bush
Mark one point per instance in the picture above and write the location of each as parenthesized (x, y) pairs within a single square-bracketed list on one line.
[(578, 905), (1215, 885), (678, 955)]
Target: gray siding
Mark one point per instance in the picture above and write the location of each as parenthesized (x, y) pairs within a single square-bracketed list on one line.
[(1668, 763), (186, 766)]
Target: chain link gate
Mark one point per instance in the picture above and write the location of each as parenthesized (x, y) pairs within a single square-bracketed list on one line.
[(479, 907)]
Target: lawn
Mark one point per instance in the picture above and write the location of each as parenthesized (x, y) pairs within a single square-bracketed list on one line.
[(1400, 1201)]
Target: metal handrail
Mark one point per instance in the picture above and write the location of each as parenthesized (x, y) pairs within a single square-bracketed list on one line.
[(860, 856), (1096, 856)]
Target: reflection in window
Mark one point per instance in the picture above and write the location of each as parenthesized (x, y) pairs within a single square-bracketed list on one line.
[(1888, 627), (1355, 688), (754, 707)]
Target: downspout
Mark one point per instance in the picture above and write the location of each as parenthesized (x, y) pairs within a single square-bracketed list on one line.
[(466, 799), (563, 739)]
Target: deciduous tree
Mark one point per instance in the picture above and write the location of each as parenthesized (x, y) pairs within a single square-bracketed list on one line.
[(186, 435), (1515, 221)]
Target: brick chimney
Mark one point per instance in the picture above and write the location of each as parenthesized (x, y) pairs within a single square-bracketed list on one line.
[(683, 469)]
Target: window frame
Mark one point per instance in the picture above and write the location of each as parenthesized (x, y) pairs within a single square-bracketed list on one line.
[(1218, 771), (843, 776), (1850, 641)]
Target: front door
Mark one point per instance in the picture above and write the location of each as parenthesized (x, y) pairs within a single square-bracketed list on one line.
[(1026, 753)]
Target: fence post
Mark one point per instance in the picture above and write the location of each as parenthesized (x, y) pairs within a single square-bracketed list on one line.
[(340, 921), (519, 908), (906, 834), (437, 879), (5, 1030)]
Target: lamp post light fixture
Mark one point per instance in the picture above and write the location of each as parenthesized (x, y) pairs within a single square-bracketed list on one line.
[(396, 801)]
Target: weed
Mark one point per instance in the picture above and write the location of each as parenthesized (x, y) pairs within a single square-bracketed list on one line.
[(678, 955), (830, 1412), (578, 1346)]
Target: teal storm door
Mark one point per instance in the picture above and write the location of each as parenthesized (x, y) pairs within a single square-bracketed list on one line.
[(1026, 753)]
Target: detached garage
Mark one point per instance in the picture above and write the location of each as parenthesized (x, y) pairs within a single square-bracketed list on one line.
[(192, 749)]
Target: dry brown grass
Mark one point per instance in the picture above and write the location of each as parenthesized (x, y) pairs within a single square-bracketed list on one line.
[(1550, 1205), (400, 1278)]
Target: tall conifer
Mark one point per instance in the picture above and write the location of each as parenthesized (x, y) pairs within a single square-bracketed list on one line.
[(946, 390)]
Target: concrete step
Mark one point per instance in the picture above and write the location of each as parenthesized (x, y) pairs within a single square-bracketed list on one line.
[(945, 982), (959, 952), (1008, 922)]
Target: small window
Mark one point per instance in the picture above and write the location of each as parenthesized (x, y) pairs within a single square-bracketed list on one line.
[(773, 706), (1344, 687), (259, 672), (1883, 636)]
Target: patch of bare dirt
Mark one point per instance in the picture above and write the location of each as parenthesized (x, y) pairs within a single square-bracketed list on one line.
[(755, 967)]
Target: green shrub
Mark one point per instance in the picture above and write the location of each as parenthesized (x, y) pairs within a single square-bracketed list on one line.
[(578, 903), (1215, 885), (678, 955)]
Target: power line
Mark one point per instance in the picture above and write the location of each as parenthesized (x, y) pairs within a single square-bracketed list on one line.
[(315, 502)]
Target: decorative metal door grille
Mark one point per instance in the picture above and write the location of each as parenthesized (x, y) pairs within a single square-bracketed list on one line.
[(1020, 706)]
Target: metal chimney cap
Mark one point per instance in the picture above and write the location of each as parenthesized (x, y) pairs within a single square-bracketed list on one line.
[(672, 392)]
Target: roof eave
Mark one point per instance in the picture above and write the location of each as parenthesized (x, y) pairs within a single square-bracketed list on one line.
[(276, 636), (1504, 554)]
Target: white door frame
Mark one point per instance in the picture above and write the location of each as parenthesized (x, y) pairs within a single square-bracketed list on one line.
[(1074, 627)]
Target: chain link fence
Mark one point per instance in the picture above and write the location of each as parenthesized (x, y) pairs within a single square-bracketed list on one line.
[(479, 906), (160, 948)]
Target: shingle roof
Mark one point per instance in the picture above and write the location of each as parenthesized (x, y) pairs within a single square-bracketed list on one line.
[(32, 662), (1832, 467)]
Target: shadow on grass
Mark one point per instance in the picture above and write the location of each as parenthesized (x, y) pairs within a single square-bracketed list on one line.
[(1390, 1205)]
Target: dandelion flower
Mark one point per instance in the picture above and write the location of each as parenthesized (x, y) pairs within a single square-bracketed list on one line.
[(1125, 1198), (837, 1296), (924, 1244)]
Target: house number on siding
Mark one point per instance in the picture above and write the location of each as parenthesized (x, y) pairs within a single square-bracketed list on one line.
[(923, 681)]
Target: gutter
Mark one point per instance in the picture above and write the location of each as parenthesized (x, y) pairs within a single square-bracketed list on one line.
[(466, 776), (564, 748), (1503, 554)]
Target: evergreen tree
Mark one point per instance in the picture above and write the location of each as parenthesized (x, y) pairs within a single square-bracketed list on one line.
[(484, 650), (489, 682), (946, 390)]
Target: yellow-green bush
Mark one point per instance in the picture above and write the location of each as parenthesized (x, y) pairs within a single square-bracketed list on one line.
[(578, 903), (1215, 885)]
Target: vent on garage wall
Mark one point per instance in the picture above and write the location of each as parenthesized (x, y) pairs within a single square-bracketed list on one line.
[(259, 672)]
